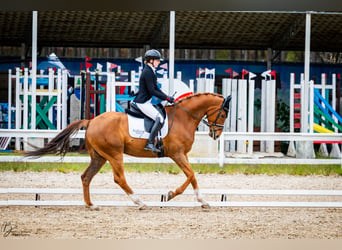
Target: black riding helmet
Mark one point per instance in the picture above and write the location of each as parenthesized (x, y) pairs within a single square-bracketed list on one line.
[(152, 54)]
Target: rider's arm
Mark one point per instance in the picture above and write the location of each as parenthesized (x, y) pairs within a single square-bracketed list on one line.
[(153, 89)]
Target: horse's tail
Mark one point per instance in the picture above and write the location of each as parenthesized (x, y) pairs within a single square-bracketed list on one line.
[(60, 144)]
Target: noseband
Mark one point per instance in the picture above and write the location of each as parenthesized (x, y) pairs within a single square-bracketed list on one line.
[(225, 107)]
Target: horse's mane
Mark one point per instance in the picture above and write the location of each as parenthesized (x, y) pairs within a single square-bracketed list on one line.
[(197, 95)]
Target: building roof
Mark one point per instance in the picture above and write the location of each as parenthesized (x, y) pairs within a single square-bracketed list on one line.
[(194, 29)]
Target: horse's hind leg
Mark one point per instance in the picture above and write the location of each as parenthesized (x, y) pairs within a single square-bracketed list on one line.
[(183, 162), (95, 165)]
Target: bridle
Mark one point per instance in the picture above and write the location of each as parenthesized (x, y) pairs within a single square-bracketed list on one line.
[(223, 107)]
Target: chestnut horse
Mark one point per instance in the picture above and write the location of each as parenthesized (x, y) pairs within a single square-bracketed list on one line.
[(107, 139)]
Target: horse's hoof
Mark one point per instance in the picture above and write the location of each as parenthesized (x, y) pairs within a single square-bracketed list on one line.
[(169, 195), (92, 207), (205, 206), (142, 207)]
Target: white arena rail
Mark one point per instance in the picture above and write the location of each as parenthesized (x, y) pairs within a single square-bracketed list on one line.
[(223, 193), (266, 136), (220, 159)]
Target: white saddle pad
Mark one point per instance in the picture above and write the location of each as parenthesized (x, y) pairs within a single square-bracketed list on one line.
[(136, 128)]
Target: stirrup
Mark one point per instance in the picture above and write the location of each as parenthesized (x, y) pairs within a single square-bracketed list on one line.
[(151, 147)]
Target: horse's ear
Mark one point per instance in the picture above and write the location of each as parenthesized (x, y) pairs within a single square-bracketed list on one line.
[(226, 103)]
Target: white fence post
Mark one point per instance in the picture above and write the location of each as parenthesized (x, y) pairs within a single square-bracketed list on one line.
[(311, 106), (227, 91), (263, 112), (113, 92), (233, 116), (221, 151), (179, 75), (18, 105), (334, 98), (51, 87), (25, 93), (242, 113), (209, 80), (270, 112), (250, 112), (108, 92), (64, 98), (59, 99), (191, 85), (9, 126)]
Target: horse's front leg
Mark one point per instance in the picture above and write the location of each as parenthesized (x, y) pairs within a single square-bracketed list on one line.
[(183, 162), (119, 178)]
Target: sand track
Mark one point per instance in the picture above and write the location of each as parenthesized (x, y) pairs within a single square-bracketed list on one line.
[(171, 223)]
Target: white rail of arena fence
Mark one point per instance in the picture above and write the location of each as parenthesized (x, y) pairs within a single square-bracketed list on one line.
[(166, 160), (224, 193), (220, 159), (269, 136)]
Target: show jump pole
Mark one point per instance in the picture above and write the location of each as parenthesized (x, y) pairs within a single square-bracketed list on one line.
[(305, 95), (172, 52), (305, 148), (34, 66)]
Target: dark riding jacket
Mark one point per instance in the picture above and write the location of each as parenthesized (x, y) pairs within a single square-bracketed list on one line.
[(148, 86)]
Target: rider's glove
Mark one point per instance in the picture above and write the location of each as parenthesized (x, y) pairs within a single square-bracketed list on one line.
[(170, 99)]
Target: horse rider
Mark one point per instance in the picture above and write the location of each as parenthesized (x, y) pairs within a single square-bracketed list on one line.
[(147, 89)]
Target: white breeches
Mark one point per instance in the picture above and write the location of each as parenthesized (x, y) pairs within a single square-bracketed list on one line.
[(148, 109)]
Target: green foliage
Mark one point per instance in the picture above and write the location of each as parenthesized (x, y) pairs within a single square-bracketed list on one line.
[(221, 54), (294, 56), (271, 169), (39, 167), (283, 116)]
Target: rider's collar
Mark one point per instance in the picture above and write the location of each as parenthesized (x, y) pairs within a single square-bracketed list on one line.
[(151, 66)]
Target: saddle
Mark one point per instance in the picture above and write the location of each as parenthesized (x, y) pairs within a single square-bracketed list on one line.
[(148, 122), (140, 125)]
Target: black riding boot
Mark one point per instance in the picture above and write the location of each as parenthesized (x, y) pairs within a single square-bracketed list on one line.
[(154, 131)]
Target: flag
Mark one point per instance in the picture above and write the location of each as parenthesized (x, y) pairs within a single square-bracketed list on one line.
[(251, 75), (209, 71), (111, 66), (199, 72), (88, 65), (81, 66), (266, 73), (163, 66), (161, 71), (273, 73), (234, 74), (244, 72), (229, 71), (87, 59), (139, 59)]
